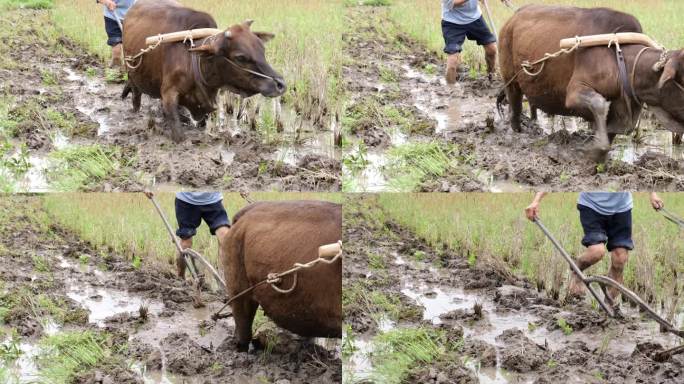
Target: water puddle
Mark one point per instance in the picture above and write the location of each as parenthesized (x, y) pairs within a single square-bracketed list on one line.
[(85, 93), (655, 141), (104, 303)]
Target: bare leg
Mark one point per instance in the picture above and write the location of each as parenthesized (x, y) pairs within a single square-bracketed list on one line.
[(180, 260), (619, 259), (490, 58), (453, 61), (581, 97), (117, 62), (592, 255)]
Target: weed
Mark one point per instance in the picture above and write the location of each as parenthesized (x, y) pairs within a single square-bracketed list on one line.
[(419, 255), (80, 167), (40, 263), (136, 262), (388, 75), (83, 259), (376, 261), (411, 164), (399, 351), (564, 326), (48, 77), (31, 4), (66, 354), (9, 349), (91, 72), (348, 342), (356, 161)]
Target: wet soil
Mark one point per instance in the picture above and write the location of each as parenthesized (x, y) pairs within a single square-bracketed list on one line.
[(510, 332), (547, 155), (230, 153), (168, 337)]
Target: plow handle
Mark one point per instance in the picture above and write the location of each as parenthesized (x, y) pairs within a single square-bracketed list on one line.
[(575, 268)]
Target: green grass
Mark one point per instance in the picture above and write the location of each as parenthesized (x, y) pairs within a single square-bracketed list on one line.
[(128, 224), (402, 350), (411, 164), (493, 228), (82, 167), (65, 355), (32, 4)]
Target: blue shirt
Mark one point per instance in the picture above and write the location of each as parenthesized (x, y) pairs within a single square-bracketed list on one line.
[(465, 14), (606, 203), (199, 198), (122, 7)]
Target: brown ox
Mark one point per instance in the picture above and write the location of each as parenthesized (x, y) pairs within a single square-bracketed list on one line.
[(585, 83), (191, 78), (270, 237)]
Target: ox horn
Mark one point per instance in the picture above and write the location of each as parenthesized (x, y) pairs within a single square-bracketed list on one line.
[(249, 22)]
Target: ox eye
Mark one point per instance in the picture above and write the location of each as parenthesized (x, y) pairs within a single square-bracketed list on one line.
[(242, 59)]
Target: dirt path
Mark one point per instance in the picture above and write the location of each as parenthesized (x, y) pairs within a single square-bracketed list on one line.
[(174, 342), (396, 71), (48, 77), (498, 328)]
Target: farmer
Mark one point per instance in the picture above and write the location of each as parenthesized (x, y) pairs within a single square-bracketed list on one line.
[(114, 9), (191, 209), (463, 19), (606, 218)]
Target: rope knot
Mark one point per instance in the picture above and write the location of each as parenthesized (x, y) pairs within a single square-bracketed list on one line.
[(273, 278)]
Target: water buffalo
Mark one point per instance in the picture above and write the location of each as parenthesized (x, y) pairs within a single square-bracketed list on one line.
[(586, 83), (234, 59), (270, 237)]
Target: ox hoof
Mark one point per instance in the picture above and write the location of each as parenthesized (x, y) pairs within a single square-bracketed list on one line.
[(599, 153), (243, 347), (177, 137)]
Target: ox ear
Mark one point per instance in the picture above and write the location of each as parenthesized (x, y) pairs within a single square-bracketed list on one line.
[(669, 73), (248, 23), (265, 36)]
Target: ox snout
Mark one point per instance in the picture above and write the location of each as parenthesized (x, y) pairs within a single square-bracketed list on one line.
[(274, 87)]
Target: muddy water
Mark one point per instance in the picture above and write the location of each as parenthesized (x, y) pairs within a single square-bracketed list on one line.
[(438, 300)]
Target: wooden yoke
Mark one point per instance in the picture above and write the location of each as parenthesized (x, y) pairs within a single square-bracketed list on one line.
[(173, 37), (605, 39)]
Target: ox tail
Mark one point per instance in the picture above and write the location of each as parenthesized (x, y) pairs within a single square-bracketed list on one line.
[(127, 89), (501, 101)]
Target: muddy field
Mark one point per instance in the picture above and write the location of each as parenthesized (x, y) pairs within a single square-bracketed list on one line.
[(63, 98), (400, 97), (151, 326), (488, 326)]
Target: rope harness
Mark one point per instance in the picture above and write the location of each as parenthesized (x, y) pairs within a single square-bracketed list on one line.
[(273, 279)]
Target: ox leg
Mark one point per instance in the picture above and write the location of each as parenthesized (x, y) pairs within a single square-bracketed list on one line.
[(533, 112), (243, 314), (515, 104), (580, 97), (171, 115), (137, 96)]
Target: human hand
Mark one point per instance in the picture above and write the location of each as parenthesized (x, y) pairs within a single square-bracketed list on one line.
[(532, 211), (459, 3), (656, 202), (149, 194), (110, 4)]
